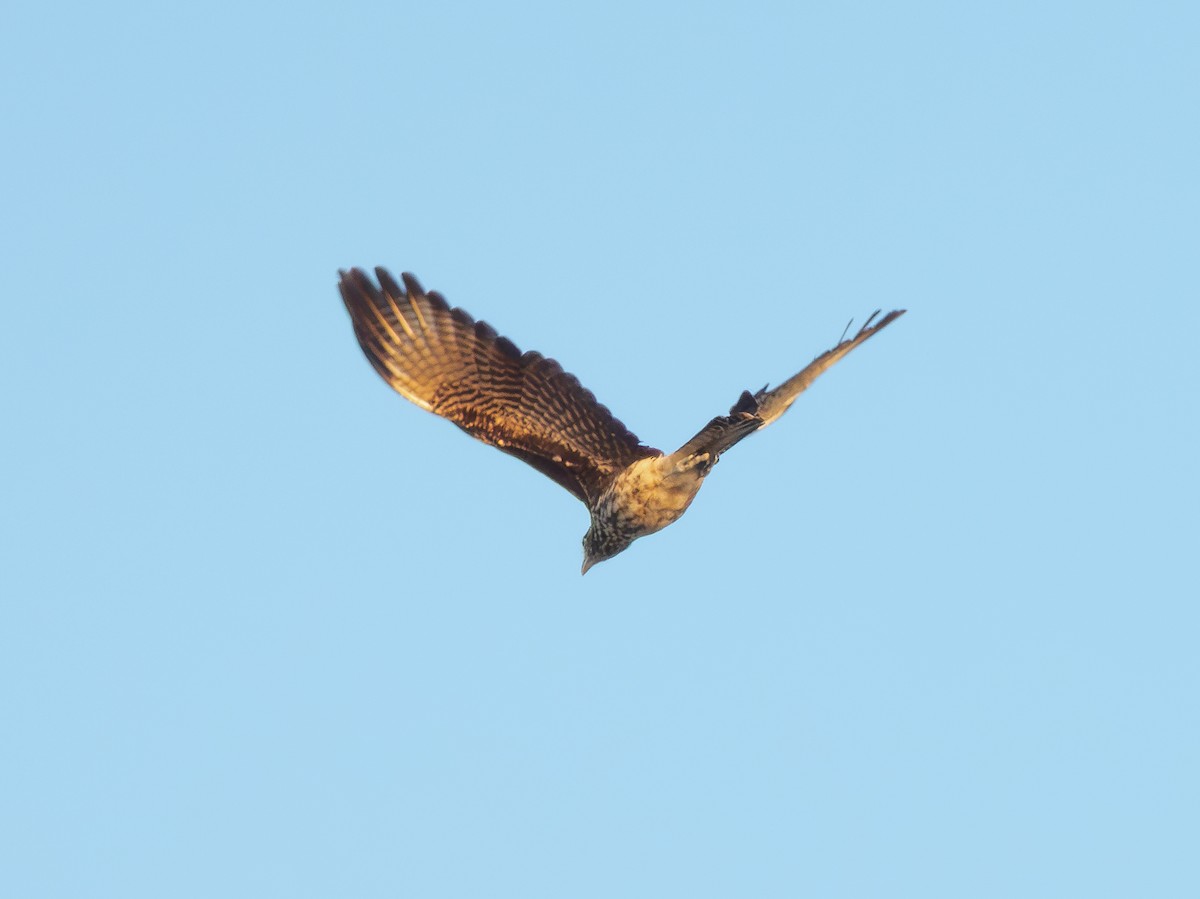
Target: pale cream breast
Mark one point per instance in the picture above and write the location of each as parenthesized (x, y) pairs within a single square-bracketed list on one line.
[(652, 493)]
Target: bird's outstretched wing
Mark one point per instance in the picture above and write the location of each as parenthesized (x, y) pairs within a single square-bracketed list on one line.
[(754, 411), (724, 431), (773, 403), (757, 410), (524, 404)]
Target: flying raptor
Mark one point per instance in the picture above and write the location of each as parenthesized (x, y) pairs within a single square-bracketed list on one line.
[(526, 405)]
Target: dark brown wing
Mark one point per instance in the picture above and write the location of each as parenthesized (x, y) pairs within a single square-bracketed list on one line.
[(773, 403), (451, 365), (725, 431)]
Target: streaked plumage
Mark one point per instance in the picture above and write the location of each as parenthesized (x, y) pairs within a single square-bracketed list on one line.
[(526, 405)]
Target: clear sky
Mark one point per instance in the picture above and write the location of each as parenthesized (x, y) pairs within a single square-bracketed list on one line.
[(266, 629)]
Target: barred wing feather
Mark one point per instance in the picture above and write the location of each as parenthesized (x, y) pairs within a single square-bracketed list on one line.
[(524, 404)]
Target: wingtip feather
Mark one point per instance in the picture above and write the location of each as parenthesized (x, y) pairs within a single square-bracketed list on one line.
[(412, 284)]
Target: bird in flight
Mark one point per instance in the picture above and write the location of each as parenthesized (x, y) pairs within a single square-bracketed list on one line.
[(526, 405)]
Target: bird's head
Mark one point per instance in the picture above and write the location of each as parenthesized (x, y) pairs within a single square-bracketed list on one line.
[(601, 543)]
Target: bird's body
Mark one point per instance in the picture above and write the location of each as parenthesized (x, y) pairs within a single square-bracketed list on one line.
[(644, 498), (527, 406)]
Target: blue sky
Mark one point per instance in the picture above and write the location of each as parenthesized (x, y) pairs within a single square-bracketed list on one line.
[(266, 629)]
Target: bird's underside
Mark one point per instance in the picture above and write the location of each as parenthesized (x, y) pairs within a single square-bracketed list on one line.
[(526, 405)]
